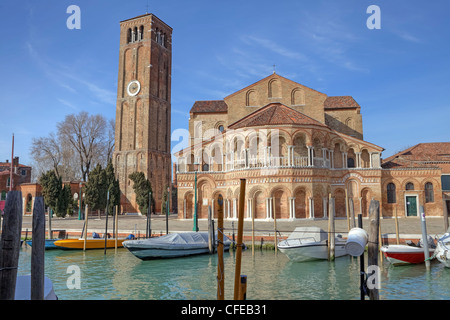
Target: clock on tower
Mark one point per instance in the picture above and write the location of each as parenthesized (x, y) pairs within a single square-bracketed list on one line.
[(142, 137)]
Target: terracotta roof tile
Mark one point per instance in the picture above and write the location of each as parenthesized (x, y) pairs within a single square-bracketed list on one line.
[(275, 114), (420, 155), (340, 102), (209, 106)]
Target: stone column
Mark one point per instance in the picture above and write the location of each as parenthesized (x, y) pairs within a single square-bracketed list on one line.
[(310, 157), (325, 207), (358, 159), (311, 208)]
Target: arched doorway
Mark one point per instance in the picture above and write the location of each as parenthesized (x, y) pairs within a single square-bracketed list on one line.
[(259, 205), (300, 203), (280, 204)]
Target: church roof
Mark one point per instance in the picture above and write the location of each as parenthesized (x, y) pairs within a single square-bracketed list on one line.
[(275, 114), (340, 102), (420, 155), (208, 106)]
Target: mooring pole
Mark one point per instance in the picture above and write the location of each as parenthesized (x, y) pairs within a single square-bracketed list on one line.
[(10, 245), (237, 271), (243, 288), (425, 237), (220, 263), (331, 228), (361, 264), (397, 235), (85, 225), (116, 230), (374, 239), (37, 250), (106, 225)]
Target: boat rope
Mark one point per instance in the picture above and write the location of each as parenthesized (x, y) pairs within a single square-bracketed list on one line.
[(8, 268)]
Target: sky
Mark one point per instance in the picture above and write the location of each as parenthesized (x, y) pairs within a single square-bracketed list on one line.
[(399, 73)]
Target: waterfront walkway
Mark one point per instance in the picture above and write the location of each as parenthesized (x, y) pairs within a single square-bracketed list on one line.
[(409, 228)]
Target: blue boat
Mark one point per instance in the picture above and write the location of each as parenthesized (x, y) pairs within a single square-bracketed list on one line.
[(49, 244)]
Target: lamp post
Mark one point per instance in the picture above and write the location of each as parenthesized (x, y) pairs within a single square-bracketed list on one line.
[(195, 199), (79, 207), (167, 210)]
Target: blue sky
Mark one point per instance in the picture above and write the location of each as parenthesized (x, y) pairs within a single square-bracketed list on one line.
[(398, 74)]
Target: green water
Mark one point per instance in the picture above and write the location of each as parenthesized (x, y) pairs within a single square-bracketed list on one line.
[(270, 276)]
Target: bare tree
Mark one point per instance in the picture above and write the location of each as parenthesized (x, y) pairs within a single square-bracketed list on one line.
[(86, 134), (111, 131), (47, 150)]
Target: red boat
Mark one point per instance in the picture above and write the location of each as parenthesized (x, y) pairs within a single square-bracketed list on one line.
[(405, 254)]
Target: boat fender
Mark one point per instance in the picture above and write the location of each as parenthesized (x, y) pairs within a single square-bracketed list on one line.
[(444, 255)]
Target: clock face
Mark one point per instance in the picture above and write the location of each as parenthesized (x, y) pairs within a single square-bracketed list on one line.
[(133, 88)]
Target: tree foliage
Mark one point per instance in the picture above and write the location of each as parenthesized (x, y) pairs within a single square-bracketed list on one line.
[(51, 186), (80, 143), (56, 195), (96, 189), (113, 187), (142, 188)]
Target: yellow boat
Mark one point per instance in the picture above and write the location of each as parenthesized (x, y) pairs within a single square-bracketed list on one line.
[(90, 243)]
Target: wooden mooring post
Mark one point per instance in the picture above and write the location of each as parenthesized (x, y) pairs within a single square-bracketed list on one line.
[(397, 234), (239, 244), (86, 214), (331, 242), (425, 237), (116, 226), (10, 245), (243, 288), (106, 223), (220, 263), (211, 233), (373, 245), (38, 250)]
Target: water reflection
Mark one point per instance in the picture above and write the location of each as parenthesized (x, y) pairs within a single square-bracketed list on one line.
[(269, 276)]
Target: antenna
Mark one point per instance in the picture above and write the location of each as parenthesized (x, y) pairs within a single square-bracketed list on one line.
[(146, 8)]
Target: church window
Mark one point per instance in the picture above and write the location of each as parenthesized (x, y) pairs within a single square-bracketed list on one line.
[(141, 33), (409, 186), (251, 98), (429, 194), (445, 182), (350, 163), (129, 35), (221, 128), (3, 195), (297, 97), (391, 196)]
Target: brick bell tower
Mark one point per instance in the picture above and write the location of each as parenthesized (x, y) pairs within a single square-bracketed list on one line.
[(142, 134)]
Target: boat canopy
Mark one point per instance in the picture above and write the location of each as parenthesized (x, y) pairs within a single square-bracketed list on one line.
[(181, 239), (309, 232)]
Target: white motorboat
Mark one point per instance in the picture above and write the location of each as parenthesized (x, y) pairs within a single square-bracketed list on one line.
[(172, 245), (310, 243), (442, 252), (23, 288)]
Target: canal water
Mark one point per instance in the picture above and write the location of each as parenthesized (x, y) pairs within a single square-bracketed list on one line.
[(270, 276)]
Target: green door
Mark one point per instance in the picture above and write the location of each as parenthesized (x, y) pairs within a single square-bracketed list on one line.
[(411, 206)]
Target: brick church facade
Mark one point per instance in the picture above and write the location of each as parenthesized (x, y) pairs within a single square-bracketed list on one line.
[(295, 146)]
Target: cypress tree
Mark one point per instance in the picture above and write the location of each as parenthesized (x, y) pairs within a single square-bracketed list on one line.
[(142, 187)]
